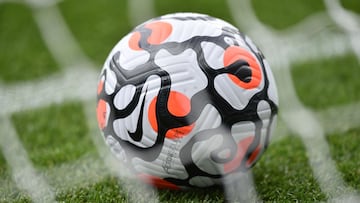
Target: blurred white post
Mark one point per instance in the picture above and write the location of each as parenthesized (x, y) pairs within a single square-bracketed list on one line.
[(239, 187), (140, 11), (25, 176)]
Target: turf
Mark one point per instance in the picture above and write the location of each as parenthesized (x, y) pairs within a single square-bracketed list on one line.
[(345, 150), (200, 6), (54, 135), (3, 166), (351, 5), (282, 14), (328, 82), (58, 135), (23, 52), (97, 26), (283, 174), (107, 190)]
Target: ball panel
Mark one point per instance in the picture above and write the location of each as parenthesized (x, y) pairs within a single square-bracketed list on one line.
[(100, 86), (185, 29), (131, 55), (272, 90), (184, 70), (203, 181), (236, 96), (213, 55), (209, 118), (115, 148), (158, 182), (102, 112), (186, 99), (134, 41), (242, 148), (201, 154), (160, 31), (124, 96), (110, 81), (251, 80)]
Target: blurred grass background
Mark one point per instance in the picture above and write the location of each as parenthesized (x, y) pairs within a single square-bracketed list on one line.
[(58, 134)]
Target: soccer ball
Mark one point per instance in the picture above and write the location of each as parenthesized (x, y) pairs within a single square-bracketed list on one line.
[(186, 99)]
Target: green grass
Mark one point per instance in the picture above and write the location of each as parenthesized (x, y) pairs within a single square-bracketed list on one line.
[(199, 6), (107, 190), (283, 174), (328, 82), (55, 134), (282, 14), (3, 166), (58, 134), (97, 25), (351, 5), (7, 192), (345, 150), (23, 53)]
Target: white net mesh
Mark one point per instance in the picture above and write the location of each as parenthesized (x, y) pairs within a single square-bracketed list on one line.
[(295, 117)]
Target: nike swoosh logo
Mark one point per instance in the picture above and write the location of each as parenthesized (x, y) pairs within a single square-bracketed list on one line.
[(137, 135)]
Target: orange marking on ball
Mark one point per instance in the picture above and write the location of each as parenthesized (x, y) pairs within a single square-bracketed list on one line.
[(100, 86), (234, 53), (243, 146), (101, 113), (157, 182), (134, 41), (160, 32), (178, 105), (253, 156), (152, 115), (180, 132)]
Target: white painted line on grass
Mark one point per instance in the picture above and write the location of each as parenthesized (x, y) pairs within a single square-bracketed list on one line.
[(336, 119), (340, 118), (140, 11), (23, 173), (103, 150), (117, 169), (86, 170), (7, 189), (56, 35), (239, 187), (298, 118), (78, 82), (74, 84), (347, 21)]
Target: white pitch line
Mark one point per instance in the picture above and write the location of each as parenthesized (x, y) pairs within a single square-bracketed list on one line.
[(304, 123), (239, 187), (325, 45), (74, 84), (336, 119), (86, 170), (56, 35), (60, 88), (23, 173), (7, 188), (116, 168), (340, 118), (296, 116), (97, 138), (79, 82), (347, 21), (140, 11)]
